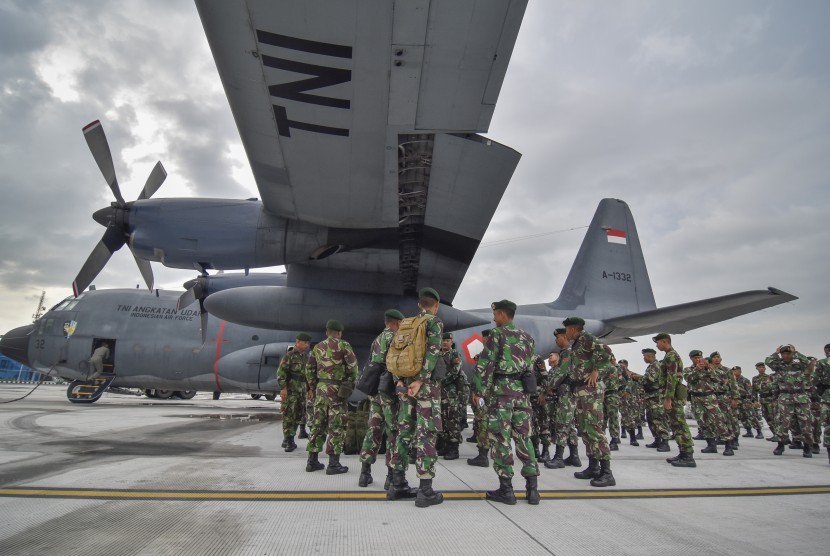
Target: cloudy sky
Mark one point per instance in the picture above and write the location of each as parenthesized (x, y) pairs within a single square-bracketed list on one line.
[(710, 119)]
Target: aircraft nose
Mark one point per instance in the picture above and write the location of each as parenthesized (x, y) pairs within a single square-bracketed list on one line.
[(15, 344)]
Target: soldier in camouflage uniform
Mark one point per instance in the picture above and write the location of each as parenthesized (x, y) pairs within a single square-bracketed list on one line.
[(732, 400), (293, 389), (562, 405), (822, 382), (747, 411), (480, 413), (331, 372), (653, 383), (454, 393), (762, 389), (383, 408), (506, 358), (540, 421), (630, 404), (694, 399), (588, 359), (419, 418), (792, 375), (674, 397), (611, 404)]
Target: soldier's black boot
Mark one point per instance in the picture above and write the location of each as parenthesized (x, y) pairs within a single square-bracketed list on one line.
[(365, 475), (774, 438), (815, 449), (654, 444), (590, 472), (605, 477), (779, 450), (480, 460), (441, 446), (284, 442), (399, 489), (388, 480), (675, 458), (556, 462), (545, 455), (303, 432), (614, 445), (472, 438), (727, 448), (699, 435), (633, 437), (313, 464), (711, 447), (807, 453), (532, 491), (748, 433), (760, 435), (573, 456), (452, 451), (504, 494), (735, 442), (290, 445), (426, 496), (334, 467), (796, 445), (686, 459), (640, 432), (622, 432), (663, 446)]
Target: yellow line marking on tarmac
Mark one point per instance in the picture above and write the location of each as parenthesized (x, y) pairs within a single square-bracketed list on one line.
[(116, 494)]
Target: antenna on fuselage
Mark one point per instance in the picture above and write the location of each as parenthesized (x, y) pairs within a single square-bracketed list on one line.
[(41, 307)]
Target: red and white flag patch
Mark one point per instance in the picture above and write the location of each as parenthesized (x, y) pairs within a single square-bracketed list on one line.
[(616, 236)]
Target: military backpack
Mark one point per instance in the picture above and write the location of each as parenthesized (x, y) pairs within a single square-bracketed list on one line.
[(408, 348)]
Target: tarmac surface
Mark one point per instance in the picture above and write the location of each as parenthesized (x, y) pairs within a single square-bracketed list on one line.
[(134, 476)]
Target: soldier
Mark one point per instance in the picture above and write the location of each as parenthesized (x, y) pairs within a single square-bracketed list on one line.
[(763, 391), (622, 364), (480, 412), (694, 398), (419, 417), (730, 398), (96, 360), (674, 396), (822, 381), (383, 409), (540, 422), (710, 389), (562, 405), (630, 404), (293, 389), (748, 408), (793, 404), (611, 403), (653, 383), (507, 357), (331, 372), (454, 392), (588, 357)]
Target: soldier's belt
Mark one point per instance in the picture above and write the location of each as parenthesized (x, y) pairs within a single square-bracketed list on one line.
[(329, 381), (651, 390), (297, 376), (508, 376)]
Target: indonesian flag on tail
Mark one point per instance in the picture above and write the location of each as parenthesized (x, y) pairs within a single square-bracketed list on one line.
[(616, 236)]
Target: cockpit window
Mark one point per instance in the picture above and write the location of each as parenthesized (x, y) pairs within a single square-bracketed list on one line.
[(67, 304)]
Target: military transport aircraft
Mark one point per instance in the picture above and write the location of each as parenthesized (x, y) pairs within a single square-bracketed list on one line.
[(154, 344)]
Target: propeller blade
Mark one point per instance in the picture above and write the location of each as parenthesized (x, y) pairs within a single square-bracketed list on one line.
[(154, 181), (98, 145), (203, 315), (145, 269), (191, 294), (111, 242)]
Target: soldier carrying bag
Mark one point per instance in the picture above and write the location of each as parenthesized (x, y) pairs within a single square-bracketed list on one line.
[(408, 348), (369, 379)]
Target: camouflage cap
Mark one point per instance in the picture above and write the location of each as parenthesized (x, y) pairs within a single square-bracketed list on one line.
[(393, 314), (446, 336), (714, 354), (661, 336), (760, 364), (429, 292), (827, 346), (573, 321), (558, 331), (504, 304), (695, 353), (334, 325), (648, 350), (303, 337)]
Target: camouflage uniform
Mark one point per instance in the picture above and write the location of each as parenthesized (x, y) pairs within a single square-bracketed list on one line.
[(822, 381), (540, 420), (671, 368), (419, 418), (588, 355), (480, 415), (793, 403), (562, 406), (507, 355), (331, 363), (710, 388), (611, 403), (454, 394), (747, 413), (698, 410), (382, 409), (630, 403), (732, 413), (653, 385), (762, 388), (291, 376)]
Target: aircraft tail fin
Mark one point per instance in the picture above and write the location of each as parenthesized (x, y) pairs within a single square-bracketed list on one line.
[(609, 276)]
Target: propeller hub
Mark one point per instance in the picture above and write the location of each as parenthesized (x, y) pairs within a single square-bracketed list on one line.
[(104, 216)]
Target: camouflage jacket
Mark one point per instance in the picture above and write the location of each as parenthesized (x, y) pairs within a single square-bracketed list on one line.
[(744, 387), (652, 381), (291, 372), (380, 345), (541, 372), (508, 353), (762, 386), (455, 383), (671, 369), (632, 387), (558, 378), (331, 360), (692, 378), (791, 380), (727, 377), (435, 330), (822, 379), (588, 355)]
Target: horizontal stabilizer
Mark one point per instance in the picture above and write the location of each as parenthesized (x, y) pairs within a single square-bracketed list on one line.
[(678, 319)]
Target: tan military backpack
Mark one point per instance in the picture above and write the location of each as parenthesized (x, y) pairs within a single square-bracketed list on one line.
[(408, 348)]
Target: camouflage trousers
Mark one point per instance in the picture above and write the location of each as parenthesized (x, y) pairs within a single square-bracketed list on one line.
[(795, 416), (509, 420), (698, 410), (588, 417), (825, 422), (611, 413), (293, 409), (308, 414), (748, 415), (657, 418), (480, 426), (679, 427), (630, 410), (732, 416), (419, 422), (539, 422), (768, 411), (329, 422), (383, 414), (815, 406), (452, 408), (714, 417), (564, 426)]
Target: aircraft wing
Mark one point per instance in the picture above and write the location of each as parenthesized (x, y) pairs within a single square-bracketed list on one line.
[(678, 319), (364, 114)]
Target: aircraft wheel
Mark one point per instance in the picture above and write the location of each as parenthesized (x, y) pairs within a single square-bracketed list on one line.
[(256, 396), (270, 397), (165, 394), (186, 394)]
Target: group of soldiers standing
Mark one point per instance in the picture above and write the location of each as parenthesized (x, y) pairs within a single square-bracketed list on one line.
[(518, 404)]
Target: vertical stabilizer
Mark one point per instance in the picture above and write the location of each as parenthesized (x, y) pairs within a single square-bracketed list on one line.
[(609, 276)]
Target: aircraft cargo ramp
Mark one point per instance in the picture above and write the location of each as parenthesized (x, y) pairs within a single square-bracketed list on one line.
[(134, 476)]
